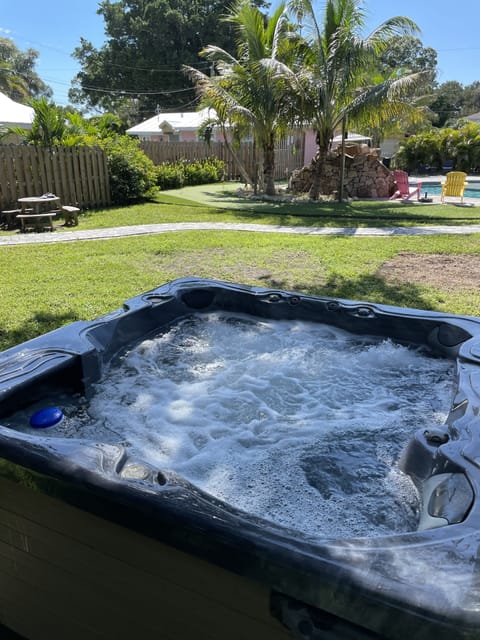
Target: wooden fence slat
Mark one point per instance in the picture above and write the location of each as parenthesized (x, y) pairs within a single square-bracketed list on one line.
[(28, 162), (62, 163), (71, 185), (94, 175), (104, 178), (8, 184)]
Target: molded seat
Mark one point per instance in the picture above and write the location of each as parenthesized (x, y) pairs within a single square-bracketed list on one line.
[(403, 189), (454, 185)]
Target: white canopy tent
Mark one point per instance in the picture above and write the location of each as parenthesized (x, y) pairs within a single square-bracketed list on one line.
[(15, 114), (351, 138)]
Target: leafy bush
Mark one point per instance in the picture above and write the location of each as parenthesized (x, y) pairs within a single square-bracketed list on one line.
[(173, 175), (431, 148), (132, 175), (170, 175)]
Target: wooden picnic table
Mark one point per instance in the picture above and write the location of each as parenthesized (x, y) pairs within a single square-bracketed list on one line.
[(38, 212)]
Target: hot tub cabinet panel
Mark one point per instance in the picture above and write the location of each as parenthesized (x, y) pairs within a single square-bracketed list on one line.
[(96, 544), (69, 574)]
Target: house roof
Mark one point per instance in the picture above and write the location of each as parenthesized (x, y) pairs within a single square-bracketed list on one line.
[(14, 113), (171, 122), (473, 117)]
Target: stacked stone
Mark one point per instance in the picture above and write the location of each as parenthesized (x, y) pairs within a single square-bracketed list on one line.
[(365, 177)]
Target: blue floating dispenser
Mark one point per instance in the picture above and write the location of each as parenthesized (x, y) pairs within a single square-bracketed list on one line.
[(47, 417)]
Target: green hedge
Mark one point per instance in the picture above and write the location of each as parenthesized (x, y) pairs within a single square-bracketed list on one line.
[(174, 175)]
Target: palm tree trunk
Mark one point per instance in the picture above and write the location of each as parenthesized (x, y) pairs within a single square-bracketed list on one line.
[(317, 175), (269, 168), (239, 164), (342, 160)]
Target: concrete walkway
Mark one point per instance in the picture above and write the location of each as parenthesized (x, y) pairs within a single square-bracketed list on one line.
[(148, 229)]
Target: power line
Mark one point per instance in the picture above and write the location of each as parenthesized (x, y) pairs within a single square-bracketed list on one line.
[(129, 92), (163, 69), (132, 92)]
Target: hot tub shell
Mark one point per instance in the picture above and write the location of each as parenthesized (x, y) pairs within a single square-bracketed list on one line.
[(96, 542)]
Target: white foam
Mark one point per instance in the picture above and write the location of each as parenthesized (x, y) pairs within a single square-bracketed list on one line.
[(296, 422)]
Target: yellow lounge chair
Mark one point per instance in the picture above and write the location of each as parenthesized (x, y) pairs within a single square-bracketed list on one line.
[(454, 185)]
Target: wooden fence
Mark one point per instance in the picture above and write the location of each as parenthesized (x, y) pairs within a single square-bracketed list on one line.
[(287, 156), (78, 175)]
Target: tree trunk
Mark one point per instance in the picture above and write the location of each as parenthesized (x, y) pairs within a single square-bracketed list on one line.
[(240, 166), (269, 168), (318, 172), (342, 161)]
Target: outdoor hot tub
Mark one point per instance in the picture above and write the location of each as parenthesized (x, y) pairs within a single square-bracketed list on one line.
[(103, 538)]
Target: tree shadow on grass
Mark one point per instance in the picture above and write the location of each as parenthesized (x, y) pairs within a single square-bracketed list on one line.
[(367, 288), (36, 325), (357, 213)]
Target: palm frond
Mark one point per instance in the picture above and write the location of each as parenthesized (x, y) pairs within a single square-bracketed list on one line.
[(217, 54)]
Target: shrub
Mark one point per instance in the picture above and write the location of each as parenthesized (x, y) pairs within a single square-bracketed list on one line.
[(431, 148), (170, 175), (173, 175), (132, 175)]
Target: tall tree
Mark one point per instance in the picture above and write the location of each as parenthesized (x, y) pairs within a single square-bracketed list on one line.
[(471, 99), (338, 85), (448, 103), (18, 79), (452, 101), (250, 90), (147, 43), (407, 52)]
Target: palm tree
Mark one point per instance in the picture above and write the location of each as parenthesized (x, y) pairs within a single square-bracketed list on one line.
[(335, 81), (250, 90), (48, 126), (11, 84)]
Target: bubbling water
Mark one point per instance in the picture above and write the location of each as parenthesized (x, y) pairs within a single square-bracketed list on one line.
[(296, 422)]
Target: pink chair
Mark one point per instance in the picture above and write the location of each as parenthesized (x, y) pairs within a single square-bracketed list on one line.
[(403, 189)]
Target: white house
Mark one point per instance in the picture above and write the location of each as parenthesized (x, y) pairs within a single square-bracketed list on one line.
[(175, 127), (14, 114)]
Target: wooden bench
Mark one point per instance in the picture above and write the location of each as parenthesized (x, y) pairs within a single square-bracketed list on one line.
[(36, 221), (71, 215), (8, 218)]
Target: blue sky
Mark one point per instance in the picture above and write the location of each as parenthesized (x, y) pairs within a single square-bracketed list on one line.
[(54, 28)]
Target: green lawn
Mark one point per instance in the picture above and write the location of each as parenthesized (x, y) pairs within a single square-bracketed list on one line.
[(218, 202), (45, 286)]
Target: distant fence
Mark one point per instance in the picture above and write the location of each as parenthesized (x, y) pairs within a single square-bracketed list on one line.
[(287, 156), (78, 175)]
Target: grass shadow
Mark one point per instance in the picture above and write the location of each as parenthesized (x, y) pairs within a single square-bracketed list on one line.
[(38, 324), (364, 288), (324, 213)]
